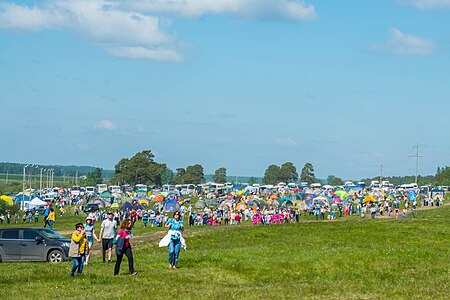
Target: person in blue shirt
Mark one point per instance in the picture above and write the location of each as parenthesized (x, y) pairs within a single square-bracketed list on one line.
[(175, 226), (46, 213)]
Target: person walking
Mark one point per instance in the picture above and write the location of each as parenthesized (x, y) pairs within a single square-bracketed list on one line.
[(77, 249), (89, 229), (46, 213), (107, 232), (175, 226), (51, 218), (126, 234)]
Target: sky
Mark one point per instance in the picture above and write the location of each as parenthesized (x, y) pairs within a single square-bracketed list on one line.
[(345, 85)]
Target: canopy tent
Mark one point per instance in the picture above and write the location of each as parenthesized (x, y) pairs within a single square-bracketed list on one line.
[(7, 199), (171, 206), (37, 202)]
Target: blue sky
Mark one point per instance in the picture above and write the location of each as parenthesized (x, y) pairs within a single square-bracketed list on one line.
[(346, 85)]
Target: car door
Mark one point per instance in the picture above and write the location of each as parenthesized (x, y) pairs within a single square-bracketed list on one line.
[(10, 244), (30, 248)]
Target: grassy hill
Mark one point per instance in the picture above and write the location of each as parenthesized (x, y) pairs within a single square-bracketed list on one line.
[(349, 258)]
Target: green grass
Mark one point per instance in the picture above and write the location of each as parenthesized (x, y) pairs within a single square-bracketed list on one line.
[(346, 259)]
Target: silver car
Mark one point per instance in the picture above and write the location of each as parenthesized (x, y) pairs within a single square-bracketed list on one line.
[(33, 244)]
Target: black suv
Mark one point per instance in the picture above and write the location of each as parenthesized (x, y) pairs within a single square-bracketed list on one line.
[(33, 244)]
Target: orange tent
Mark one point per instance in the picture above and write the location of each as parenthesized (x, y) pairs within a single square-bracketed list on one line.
[(274, 196)]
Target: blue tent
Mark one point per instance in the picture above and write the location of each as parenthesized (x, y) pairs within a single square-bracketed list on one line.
[(126, 205), (171, 206), (21, 198)]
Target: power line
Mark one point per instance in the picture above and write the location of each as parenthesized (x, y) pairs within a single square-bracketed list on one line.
[(417, 156)]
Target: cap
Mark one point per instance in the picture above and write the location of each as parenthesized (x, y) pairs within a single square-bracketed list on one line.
[(110, 212)]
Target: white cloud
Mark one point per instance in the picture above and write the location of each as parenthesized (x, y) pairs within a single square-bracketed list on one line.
[(289, 10), (428, 3), (106, 125), (121, 33), (406, 44), (135, 29), (286, 142)]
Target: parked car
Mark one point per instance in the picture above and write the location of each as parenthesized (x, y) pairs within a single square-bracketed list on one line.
[(33, 244), (91, 207)]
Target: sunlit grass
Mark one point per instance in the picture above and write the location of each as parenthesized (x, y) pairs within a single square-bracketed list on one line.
[(344, 259)]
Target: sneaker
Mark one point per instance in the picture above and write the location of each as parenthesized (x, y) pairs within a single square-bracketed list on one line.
[(109, 261), (133, 274)]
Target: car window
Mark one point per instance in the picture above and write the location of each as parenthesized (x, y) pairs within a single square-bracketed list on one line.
[(51, 234), (29, 234), (11, 234)]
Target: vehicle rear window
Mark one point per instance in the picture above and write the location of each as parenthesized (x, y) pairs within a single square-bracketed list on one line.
[(30, 234), (11, 234)]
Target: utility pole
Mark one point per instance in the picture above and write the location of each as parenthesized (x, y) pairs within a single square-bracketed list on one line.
[(381, 173), (417, 156)]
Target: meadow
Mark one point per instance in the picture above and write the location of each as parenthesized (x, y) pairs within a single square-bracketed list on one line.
[(349, 258)]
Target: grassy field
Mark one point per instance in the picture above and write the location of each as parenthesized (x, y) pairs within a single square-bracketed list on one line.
[(345, 259)]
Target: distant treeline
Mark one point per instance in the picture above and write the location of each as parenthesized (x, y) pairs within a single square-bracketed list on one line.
[(68, 171)]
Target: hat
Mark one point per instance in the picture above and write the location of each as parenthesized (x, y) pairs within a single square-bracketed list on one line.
[(110, 212), (89, 218)]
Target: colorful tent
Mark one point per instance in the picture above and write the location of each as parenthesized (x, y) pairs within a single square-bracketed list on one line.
[(342, 194), (171, 206), (115, 205), (7, 199), (241, 206), (369, 198)]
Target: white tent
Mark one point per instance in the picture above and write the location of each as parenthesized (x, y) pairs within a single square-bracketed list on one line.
[(36, 202)]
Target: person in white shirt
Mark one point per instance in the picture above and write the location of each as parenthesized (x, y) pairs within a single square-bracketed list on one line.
[(107, 233)]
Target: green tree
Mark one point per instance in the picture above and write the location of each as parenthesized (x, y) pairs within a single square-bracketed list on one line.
[(141, 168), (220, 175), (272, 175), (307, 174), (194, 174), (252, 180), (179, 177), (288, 172), (93, 178), (167, 176), (333, 180)]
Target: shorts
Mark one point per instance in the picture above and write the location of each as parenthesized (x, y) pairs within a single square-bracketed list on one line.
[(107, 244), (90, 239)]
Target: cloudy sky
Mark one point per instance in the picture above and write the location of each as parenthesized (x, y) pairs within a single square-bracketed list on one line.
[(346, 85)]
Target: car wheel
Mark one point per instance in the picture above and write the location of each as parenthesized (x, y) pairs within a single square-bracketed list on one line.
[(55, 256)]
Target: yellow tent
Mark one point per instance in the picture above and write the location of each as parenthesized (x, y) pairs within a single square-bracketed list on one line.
[(7, 199), (369, 198), (143, 201)]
